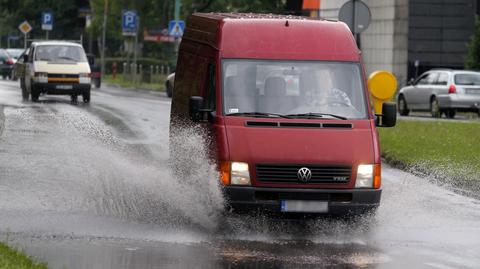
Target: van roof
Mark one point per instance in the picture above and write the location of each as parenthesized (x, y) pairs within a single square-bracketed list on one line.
[(269, 36)]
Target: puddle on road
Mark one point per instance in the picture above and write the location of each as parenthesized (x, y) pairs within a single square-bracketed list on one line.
[(78, 195)]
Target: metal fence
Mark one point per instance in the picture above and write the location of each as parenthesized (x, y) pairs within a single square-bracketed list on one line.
[(140, 73)]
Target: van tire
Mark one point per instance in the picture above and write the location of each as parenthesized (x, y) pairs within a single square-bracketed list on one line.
[(86, 96)]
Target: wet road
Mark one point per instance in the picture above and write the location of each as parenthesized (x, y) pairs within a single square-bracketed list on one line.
[(88, 186)]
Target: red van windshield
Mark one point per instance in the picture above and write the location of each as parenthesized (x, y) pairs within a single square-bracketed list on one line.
[(293, 88)]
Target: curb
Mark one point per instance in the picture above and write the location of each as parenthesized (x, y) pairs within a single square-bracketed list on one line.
[(143, 90)]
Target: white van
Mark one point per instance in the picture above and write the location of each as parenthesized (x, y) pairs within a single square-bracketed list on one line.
[(56, 67)]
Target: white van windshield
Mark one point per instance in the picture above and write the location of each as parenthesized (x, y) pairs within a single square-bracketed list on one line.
[(59, 53), (293, 89)]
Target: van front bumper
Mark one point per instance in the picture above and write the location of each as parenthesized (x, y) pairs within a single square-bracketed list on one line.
[(59, 88), (340, 201)]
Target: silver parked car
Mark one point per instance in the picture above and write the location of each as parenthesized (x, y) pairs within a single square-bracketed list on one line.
[(441, 92)]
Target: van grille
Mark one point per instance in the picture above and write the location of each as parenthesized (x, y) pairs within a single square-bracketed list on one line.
[(62, 75), (287, 173)]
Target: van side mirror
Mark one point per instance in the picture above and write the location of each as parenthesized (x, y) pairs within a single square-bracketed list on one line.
[(25, 58), (195, 108), (388, 118)]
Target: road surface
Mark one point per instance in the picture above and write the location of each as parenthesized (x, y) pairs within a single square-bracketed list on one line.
[(89, 186)]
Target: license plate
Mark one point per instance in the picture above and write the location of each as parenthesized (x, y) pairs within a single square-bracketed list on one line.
[(304, 206), (64, 87), (473, 91)]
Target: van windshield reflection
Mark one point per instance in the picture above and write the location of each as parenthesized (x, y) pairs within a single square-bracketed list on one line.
[(293, 89)]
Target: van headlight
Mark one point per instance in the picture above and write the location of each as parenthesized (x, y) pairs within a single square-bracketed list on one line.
[(40, 77), (368, 176), (235, 173), (84, 78)]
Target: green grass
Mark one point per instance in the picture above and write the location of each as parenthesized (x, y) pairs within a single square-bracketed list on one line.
[(447, 149), (157, 84), (12, 259)]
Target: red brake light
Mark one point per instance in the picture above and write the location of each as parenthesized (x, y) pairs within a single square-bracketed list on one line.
[(452, 89), (9, 61)]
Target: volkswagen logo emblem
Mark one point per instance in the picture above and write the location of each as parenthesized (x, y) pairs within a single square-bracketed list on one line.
[(304, 174)]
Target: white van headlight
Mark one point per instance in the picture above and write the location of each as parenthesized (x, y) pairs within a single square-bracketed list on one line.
[(364, 176), (368, 176), (84, 78), (240, 174)]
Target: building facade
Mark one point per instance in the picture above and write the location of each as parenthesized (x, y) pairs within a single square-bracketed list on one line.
[(408, 37)]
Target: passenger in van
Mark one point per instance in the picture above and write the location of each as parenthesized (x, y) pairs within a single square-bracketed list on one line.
[(239, 97), (275, 95)]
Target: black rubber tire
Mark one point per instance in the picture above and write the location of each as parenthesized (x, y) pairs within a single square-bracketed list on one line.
[(86, 96), (35, 94), (97, 83), (25, 93), (22, 84), (450, 113), (169, 89), (435, 108), (402, 106)]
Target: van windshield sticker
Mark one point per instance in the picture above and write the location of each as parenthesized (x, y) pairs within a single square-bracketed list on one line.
[(233, 110)]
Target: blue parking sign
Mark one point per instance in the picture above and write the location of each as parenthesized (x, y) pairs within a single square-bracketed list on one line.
[(129, 22), (47, 21)]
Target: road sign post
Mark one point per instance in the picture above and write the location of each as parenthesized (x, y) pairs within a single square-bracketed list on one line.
[(47, 22), (25, 28), (357, 16), (130, 22)]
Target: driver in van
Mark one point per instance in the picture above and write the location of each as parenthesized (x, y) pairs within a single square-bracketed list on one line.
[(319, 90)]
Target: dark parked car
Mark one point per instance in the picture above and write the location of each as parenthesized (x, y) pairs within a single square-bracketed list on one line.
[(442, 91), (6, 64)]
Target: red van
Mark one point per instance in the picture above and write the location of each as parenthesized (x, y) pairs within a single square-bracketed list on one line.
[(285, 103)]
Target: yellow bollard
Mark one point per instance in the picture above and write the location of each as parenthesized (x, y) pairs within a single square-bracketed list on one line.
[(382, 85)]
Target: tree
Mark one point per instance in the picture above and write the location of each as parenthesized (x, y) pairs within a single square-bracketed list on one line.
[(473, 57), (65, 12)]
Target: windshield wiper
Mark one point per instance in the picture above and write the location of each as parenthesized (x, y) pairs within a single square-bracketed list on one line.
[(317, 115), (259, 114)]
